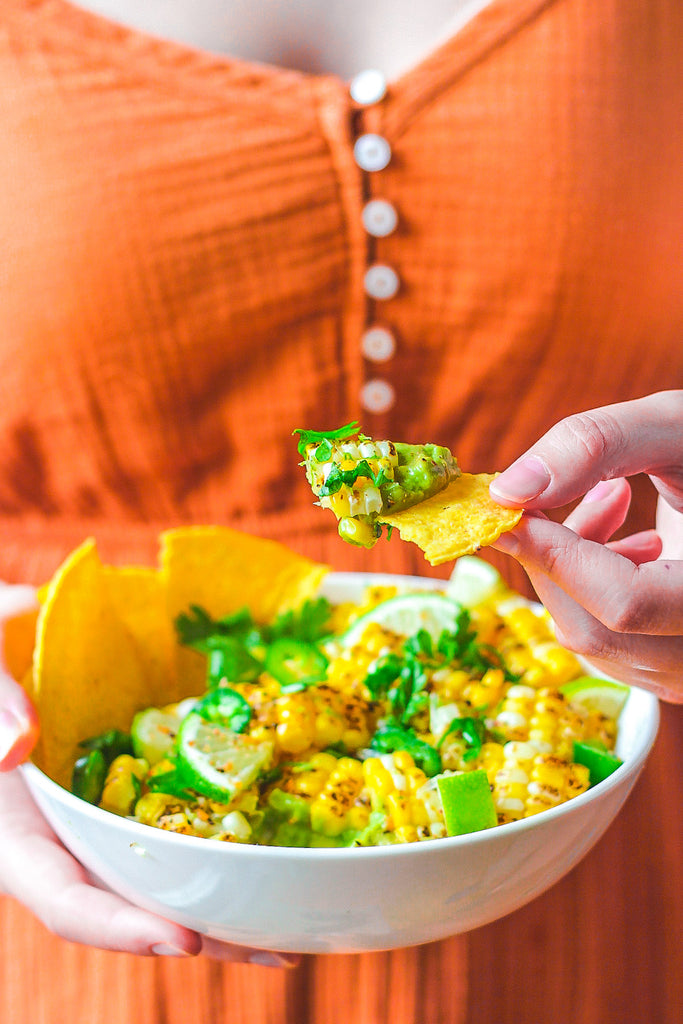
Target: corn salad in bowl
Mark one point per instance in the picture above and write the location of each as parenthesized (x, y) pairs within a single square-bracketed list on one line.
[(400, 717)]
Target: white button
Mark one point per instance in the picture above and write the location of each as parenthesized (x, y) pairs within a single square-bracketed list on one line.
[(379, 218), (378, 344), (381, 281), (368, 87), (377, 395), (372, 152)]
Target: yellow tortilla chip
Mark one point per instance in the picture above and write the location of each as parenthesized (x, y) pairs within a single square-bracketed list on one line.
[(88, 675), (138, 597), (457, 521), (224, 570)]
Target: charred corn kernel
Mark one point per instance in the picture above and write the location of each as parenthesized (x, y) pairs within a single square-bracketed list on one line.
[(329, 809), (406, 834), (122, 785), (397, 806), (329, 728), (403, 761), (578, 779), (152, 806), (415, 779), (296, 722), (377, 779), (307, 783)]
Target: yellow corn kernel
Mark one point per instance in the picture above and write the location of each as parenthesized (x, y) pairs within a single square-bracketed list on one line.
[(418, 812), (561, 664), (578, 779), (152, 806), (403, 760), (296, 722), (330, 807), (323, 762), (122, 785), (358, 816), (329, 728), (397, 806), (549, 772), (415, 779), (406, 834), (377, 778)]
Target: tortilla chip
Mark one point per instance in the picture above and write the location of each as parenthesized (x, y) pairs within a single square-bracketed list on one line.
[(457, 521), (88, 675), (138, 597), (224, 570)]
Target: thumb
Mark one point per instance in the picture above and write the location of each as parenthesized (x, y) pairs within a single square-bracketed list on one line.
[(18, 724), (642, 436)]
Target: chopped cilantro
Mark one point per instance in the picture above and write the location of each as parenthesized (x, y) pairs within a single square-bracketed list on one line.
[(307, 437)]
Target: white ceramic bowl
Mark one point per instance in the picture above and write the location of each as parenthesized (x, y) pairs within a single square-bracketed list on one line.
[(331, 900)]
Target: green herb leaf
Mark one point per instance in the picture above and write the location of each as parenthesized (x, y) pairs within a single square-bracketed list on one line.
[(307, 437), (392, 738), (472, 730)]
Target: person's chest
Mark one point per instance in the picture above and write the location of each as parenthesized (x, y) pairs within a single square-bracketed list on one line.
[(320, 36)]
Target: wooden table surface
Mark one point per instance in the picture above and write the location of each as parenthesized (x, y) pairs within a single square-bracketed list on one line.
[(602, 946)]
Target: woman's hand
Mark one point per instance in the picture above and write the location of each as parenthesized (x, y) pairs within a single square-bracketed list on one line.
[(620, 604), (39, 872)]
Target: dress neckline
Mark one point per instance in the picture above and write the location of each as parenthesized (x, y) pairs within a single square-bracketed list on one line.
[(206, 72)]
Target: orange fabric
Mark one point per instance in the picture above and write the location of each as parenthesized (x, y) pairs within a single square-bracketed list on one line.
[(181, 284)]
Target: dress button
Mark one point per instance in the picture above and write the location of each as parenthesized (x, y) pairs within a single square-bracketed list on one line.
[(368, 87), (372, 152), (378, 344), (381, 281), (379, 218), (377, 395)]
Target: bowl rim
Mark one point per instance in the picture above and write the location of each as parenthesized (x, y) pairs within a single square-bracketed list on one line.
[(628, 770)]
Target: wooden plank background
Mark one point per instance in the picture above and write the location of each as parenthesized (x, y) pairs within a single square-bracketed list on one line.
[(601, 947)]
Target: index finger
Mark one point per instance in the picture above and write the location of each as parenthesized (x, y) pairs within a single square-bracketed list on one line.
[(642, 436), (624, 597)]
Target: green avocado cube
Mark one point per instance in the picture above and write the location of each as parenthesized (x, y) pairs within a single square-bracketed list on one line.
[(467, 802), (599, 762)]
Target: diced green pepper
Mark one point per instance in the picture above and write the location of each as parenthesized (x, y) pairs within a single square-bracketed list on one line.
[(467, 802), (392, 738), (600, 763), (295, 663), (89, 774), (226, 707)]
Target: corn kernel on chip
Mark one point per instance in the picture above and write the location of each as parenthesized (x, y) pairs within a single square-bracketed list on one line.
[(457, 521)]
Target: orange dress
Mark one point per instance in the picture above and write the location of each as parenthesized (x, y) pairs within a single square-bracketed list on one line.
[(183, 281)]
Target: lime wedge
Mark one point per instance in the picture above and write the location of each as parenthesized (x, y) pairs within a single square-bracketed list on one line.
[(467, 802), (216, 761), (406, 614), (472, 581), (153, 733), (596, 694)]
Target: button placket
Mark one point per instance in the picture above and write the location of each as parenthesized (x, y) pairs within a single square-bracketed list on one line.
[(372, 153)]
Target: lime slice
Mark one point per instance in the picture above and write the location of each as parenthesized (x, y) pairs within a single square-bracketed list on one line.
[(467, 802), (153, 733), (405, 615), (216, 761), (472, 581), (595, 694)]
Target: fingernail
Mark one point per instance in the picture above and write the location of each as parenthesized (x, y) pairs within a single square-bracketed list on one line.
[(265, 959), (11, 729), (163, 949), (600, 491), (523, 480)]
